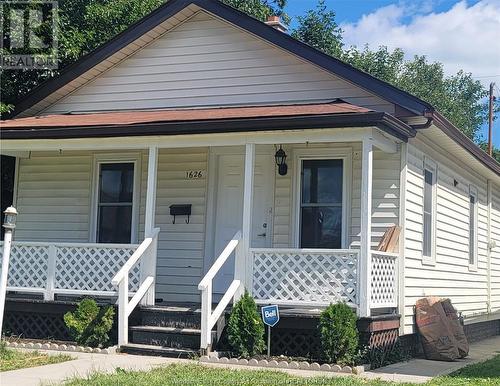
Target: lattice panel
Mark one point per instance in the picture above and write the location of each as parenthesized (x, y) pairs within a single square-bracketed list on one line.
[(293, 342), (305, 277), (28, 266), (383, 280), (35, 325), (92, 268)]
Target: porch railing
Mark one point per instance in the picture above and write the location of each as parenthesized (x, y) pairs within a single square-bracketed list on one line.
[(68, 268), (384, 280), (208, 317), (310, 277)]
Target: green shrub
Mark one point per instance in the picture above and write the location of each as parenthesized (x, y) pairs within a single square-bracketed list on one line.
[(245, 328), (90, 324), (339, 334)]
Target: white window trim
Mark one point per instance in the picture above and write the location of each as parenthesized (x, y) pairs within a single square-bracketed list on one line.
[(134, 158), (473, 192), (315, 153), (431, 166)]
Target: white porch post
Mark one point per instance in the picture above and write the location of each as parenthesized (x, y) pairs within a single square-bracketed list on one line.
[(364, 276), (148, 267), (241, 266)]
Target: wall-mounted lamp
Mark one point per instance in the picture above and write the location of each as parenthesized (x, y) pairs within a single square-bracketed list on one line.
[(280, 157)]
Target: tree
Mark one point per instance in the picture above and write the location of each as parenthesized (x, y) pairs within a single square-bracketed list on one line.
[(319, 29)]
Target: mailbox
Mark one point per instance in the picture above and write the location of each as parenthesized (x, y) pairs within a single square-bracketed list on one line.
[(180, 210)]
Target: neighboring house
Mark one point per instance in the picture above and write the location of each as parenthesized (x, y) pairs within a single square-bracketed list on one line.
[(185, 111)]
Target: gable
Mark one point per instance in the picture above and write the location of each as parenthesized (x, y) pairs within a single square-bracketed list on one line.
[(208, 62)]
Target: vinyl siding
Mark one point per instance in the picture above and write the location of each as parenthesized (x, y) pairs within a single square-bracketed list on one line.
[(495, 252), (208, 62), (450, 276)]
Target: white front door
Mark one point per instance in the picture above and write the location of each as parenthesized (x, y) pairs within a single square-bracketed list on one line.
[(229, 208)]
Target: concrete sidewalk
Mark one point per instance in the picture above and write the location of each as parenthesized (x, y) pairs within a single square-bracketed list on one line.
[(84, 364)]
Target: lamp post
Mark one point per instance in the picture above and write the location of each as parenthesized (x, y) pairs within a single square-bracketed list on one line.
[(9, 224)]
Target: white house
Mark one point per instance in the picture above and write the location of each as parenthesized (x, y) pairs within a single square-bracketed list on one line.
[(185, 112)]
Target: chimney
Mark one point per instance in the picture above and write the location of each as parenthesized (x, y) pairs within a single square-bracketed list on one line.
[(275, 22)]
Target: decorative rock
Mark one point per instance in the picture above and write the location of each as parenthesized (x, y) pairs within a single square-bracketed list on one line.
[(347, 369), (214, 359), (12, 344), (96, 350), (37, 345), (253, 362), (54, 347), (304, 365), (71, 348), (233, 361), (224, 360), (213, 354), (204, 358), (27, 345), (63, 347), (46, 346), (325, 367), (358, 370), (112, 350), (21, 345), (273, 364), (105, 351), (293, 365), (263, 363), (315, 366), (283, 364), (80, 349), (243, 361), (336, 368), (88, 349)]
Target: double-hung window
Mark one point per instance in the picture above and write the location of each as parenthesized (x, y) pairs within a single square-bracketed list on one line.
[(472, 227), (429, 212)]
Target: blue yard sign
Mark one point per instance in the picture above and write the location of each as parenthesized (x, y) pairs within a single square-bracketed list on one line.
[(270, 315)]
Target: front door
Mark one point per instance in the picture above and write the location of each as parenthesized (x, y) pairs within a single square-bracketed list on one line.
[(229, 208)]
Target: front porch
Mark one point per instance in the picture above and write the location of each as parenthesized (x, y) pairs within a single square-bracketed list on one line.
[(279, 271)]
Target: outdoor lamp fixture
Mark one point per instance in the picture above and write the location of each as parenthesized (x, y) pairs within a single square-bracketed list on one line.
[(9, 221), (280, 157)]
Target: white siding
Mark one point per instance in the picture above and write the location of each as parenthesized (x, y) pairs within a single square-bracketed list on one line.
[(495, 252), (209, 62), (450, 276)]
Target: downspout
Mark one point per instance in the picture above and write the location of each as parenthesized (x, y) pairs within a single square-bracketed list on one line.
[(430, 118), (489, 244)]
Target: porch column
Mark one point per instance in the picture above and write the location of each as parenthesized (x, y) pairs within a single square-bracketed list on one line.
[(364, 275), (148, 265), (242, 269)]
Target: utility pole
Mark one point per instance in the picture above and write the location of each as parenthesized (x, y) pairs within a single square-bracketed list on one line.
[(490, 120)]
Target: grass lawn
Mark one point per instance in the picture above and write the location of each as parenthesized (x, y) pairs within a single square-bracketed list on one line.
[(486, 373), (13, 359)]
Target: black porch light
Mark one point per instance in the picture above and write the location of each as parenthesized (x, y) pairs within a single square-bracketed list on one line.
[(280, 157)]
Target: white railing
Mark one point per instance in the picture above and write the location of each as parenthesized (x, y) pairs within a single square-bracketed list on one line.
[(209, 318), (384, 279), (68, 268), (145, 254), (305, 277)]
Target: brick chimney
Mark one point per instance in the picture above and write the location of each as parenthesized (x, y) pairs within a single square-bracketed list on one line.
[(275, 22)]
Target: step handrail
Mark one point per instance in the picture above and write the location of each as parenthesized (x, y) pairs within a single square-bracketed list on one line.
[(209, 318), (147, 252)]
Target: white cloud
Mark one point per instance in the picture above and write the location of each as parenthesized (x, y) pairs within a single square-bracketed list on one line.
[(467, 36)]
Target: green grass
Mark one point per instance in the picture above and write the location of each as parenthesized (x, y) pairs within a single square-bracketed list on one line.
[(486, 373), (13, 359)]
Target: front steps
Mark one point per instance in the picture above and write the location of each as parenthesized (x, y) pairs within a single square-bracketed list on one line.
[(173, 331)]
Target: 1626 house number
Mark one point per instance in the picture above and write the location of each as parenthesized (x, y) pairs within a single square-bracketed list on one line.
[(194, 174)]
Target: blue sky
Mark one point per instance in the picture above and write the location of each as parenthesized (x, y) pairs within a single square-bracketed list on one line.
[(460, 34)]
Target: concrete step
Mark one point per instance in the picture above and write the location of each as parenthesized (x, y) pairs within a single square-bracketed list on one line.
[(179, 338), (146, 349)]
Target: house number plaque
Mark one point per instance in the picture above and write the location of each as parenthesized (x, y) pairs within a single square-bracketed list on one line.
[(194, 174)]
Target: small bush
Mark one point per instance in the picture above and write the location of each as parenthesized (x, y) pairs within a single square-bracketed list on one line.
[(339, 334), (90, 324), (245, 328)]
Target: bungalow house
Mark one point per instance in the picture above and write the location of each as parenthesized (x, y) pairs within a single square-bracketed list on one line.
[(202, 152)]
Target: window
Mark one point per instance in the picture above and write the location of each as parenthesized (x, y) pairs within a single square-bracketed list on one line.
[(115, 202), (472, 227), (428, 236), (321, 203)]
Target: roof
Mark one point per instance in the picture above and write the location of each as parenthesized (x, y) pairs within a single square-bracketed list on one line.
[(194, 121), (242, 20)]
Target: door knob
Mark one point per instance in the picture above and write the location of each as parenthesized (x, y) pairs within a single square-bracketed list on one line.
[(262, 234)]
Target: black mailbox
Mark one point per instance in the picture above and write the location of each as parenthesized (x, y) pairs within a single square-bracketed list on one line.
[(180, 210)]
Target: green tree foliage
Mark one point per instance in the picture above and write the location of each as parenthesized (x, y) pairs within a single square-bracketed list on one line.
[(319, 29), (90, 324), (339, 333), (260, 9), (245, 328)]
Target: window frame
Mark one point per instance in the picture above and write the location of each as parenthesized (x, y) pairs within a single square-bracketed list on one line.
[(432, 167), (300, 154), (100, 159), (473, 192)]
